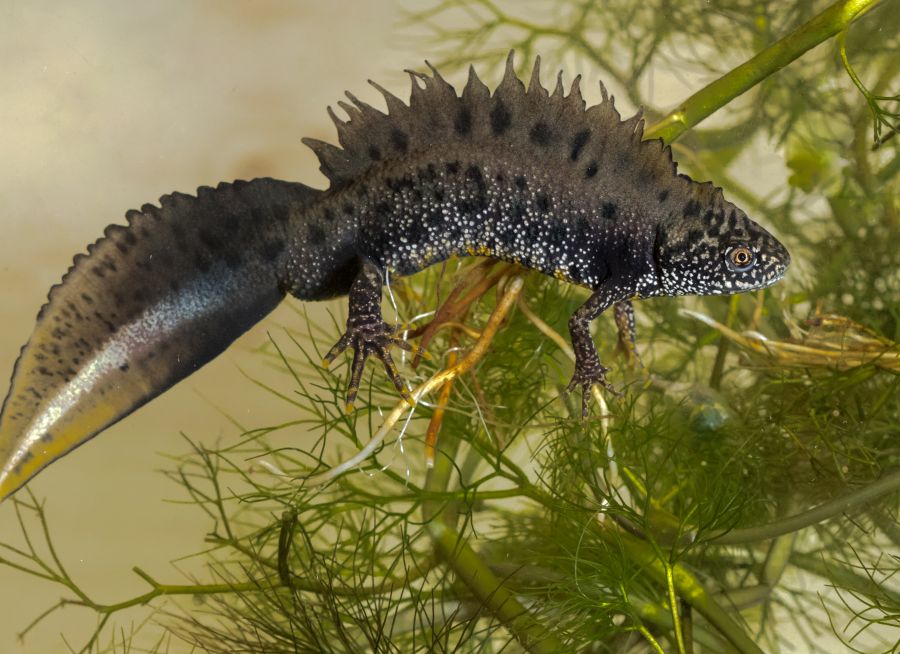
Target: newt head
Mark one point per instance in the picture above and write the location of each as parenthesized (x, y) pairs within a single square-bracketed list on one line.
[(711, 247)]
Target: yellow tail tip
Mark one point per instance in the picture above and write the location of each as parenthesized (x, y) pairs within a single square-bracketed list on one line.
[(9, 484)]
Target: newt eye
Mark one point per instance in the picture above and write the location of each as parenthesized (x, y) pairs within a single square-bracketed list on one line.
[(741, 258)]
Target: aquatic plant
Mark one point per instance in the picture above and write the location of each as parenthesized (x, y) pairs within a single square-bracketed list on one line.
[(740, 496)]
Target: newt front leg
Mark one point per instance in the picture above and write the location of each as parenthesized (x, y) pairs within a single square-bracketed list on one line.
[(367, 333)]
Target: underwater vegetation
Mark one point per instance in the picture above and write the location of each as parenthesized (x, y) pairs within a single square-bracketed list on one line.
[(740, 496)]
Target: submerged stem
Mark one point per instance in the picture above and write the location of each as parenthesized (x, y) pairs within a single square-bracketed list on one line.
[(750, 73), (887, 484)]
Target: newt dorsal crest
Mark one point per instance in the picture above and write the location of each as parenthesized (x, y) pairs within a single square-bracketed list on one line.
[(517, 174)]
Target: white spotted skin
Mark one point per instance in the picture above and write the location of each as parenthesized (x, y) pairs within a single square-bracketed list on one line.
[(406, 216)]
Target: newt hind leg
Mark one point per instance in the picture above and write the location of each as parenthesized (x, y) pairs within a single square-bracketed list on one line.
[(367, 333)]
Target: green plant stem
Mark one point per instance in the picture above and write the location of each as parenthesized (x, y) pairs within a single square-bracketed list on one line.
[(673, 607), (741, 79), (842, 577), (687, 586), (159, 590), (887, 484), (477, 576), (469, 567)]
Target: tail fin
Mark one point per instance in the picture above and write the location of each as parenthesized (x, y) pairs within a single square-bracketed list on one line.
[(148, 305)]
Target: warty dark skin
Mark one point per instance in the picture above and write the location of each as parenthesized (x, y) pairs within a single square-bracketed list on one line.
[(518, 175)]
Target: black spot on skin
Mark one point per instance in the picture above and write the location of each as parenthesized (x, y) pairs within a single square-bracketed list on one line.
[(608, 210), (175, 286), (519, 211), (583, 230), (533, 232), (399, 140), (578, 143), (732, 220), (271, 249), (177, 229), (463, 122), (452, 167), (210, 240), (348, 209), (438, 195), (543, 202), (121, 247), (695, 236), (281, 213), (473, 173), (130, 238), (540, 134), (382, 209), (328, 215), (500, 119), (663, 195), (591, 170), (232, 259), (520, 182), (316, 234), (713, 230), (124, 367), (397, 185), (98, 271), (557, 235), (479, 200), (44, 371), (374, 153), (231, 222), (429, 173), (202, 261), (692, 208), (499, 178), (46, 437)]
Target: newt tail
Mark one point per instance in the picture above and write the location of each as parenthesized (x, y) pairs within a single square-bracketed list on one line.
[(516, 174)]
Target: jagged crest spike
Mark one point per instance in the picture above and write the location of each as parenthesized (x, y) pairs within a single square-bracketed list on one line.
[(532, 124), (394, 104), (575, 91), (534, 84), (558, 91), (338, 122), (509, 72), (603, 92)]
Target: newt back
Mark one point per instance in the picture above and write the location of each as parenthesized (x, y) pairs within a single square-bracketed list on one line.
[(520, 174)]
